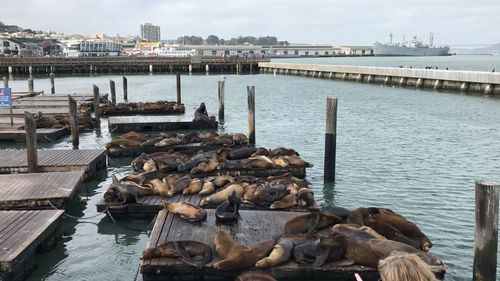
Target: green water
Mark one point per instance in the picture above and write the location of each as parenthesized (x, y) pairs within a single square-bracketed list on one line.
[(416, 152)]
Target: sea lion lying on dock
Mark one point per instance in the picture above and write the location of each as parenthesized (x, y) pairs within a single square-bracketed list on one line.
[(223, 195), (185, 210), (125, 192), (194, 253), (310, 223), (281, 253)]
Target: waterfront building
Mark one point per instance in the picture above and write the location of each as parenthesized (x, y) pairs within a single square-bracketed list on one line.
[(300, 51), (88, 48), (29, 47), (356, 50), (150, 32)]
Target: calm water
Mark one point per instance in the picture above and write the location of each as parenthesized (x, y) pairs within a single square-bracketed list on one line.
[(416, 152)]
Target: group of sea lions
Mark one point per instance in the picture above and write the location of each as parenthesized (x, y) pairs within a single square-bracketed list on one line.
[(165, 106), (226, 158), (132, 140), (276, 192), (331, 236), (57, 121)]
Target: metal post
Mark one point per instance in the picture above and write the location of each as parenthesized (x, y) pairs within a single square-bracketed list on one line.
[(30, 131), (5, 82), (486, 233), (251, 114), (221, 101), (52, 84), (96, 105), (178, 80), (113, 91), (73, 122), (330, 139)]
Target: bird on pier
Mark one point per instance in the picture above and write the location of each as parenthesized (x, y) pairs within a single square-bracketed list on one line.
[(493, 70)]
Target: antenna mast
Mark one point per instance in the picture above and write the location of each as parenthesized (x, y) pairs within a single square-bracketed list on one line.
[(431, 39), (390, 38)]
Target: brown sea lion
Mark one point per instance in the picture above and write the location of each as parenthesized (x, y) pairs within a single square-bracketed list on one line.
[(310, 223), (149, 166), (331, 248), (139, 161), (151, 142), (223, 244), (258, 162), (281, 253), (368, 252), (389, 232), (122, 143), (193, 253), (240, 139), (180, 185), (260, 151), (249, 195), (185, 210), (281, 151), (207, 188), (194, 187), (160, 187), (356, 231), (296, 161), (223, 195), (205, 167), (245, 257), (254, 276), (220, 181), (305, 197), (288, 201), (338, 211), (125, 191), (168, 142), (280, 162), (241, 153), (133, 135), (358, 215)]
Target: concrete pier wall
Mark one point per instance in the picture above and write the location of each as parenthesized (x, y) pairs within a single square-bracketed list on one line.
[(464, 81)]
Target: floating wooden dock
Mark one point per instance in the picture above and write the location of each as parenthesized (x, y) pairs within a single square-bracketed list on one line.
[(487, 83), (38, 190), (42, 134), (123, 124), (55, 160), (136, 151), (253, 227), (21, 233)]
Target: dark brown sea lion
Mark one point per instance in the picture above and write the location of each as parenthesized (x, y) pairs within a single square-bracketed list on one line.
[(245, 257), (306, 252), (220, 181), (296, 161), (331, 248), (261, 151), (281, 253), (356, 231), (265, 194), (305, 197), (241, 153), (139, 162), (338, 211), (122, 143), (389, 232), (310, 223), (358, 215), (368, 252), (205, 167), (281, 151), (286, 202), (192, 162), (240, 139), (194, 253), (185, 210), (151, 142), (125, 191)]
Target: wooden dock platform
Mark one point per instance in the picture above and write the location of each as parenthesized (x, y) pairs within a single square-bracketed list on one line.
[(35, 191), (136, 151), (21, 232), (42, 134), (253, 227), (55, 160), (123, 124)]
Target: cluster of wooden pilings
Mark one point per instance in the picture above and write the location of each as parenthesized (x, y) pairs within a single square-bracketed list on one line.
[(23, 66)]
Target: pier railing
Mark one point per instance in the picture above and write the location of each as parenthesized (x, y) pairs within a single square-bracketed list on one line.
[(455, 80)]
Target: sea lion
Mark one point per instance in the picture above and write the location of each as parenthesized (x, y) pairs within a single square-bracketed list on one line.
[(331, 248), (151, 142), (296, 161), (207, 188), (241, 153), (356, 231), (288, 201), (194, 253), (254, 276), (266, 194), (205, 167), (246, 257), (310, 223), (192, 162), (179, 185), (358, 215), (306, 252), (220, 181), (125, 191), (223, 195), (260, 151), (160, 187), (305, 197), (258, 162), (240, 139), (249, 195), (138, 163), (223, 244), (185, 210), (279, 162), (228, 211), (168, 142), (389, 232), (133, 135), (280, 254), (149, 166), (368, 252), (194, 187), (338, 211), (121, 143)]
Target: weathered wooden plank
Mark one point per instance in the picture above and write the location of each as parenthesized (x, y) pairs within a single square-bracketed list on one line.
[(159, 122)]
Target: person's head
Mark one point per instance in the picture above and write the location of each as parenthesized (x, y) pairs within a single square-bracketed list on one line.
[(401, 266)]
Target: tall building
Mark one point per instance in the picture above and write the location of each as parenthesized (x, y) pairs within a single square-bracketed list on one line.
[(150, 32)]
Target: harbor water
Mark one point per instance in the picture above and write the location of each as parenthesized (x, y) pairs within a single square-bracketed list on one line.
[(417, 152)]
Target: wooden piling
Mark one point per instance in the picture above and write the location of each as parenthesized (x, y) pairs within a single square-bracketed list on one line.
[(125, 90), (112, 90), (5, 82), (31, 86), (96, 105), (251, 114), (221, 100), (30, 131), (486, 232), (178, 82), (52, 84), (330, 139), (73, 122)]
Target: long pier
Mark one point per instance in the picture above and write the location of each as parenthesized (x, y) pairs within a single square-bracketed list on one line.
[(487, 83), (45, 65)]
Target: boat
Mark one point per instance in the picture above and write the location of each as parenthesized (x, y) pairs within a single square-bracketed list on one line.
[(413, 48)]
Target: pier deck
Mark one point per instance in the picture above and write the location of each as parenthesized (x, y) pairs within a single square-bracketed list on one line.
[(122, 124), (55, 160), (253, 227), (21, 233), (35, 191), (42, 134)]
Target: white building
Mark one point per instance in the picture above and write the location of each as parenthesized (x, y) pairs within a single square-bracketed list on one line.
[(150, 32), (92, 48)]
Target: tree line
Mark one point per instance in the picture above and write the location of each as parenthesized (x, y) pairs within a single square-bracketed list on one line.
[(240, 40)]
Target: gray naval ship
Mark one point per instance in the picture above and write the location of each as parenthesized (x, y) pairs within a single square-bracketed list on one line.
[(413, 48)]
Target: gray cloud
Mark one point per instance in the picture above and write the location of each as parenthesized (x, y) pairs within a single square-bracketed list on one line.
[(314, 21)]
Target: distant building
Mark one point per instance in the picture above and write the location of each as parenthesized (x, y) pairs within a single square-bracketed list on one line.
[(300, 51), (28, 47), (356, 50), (150, 32), (221, 50), (92, 48)]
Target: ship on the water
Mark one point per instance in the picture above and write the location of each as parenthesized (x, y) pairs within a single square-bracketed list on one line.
[(413, 48)]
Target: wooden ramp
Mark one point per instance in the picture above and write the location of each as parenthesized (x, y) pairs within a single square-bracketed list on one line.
[(253, 226), (55, 160), (123, 124), (21, 232), (38, 191)]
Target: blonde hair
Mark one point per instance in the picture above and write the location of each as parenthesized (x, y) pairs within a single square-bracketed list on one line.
[(400, 266)]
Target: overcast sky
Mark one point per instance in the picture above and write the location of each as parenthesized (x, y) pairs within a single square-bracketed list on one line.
[(312, 21)]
